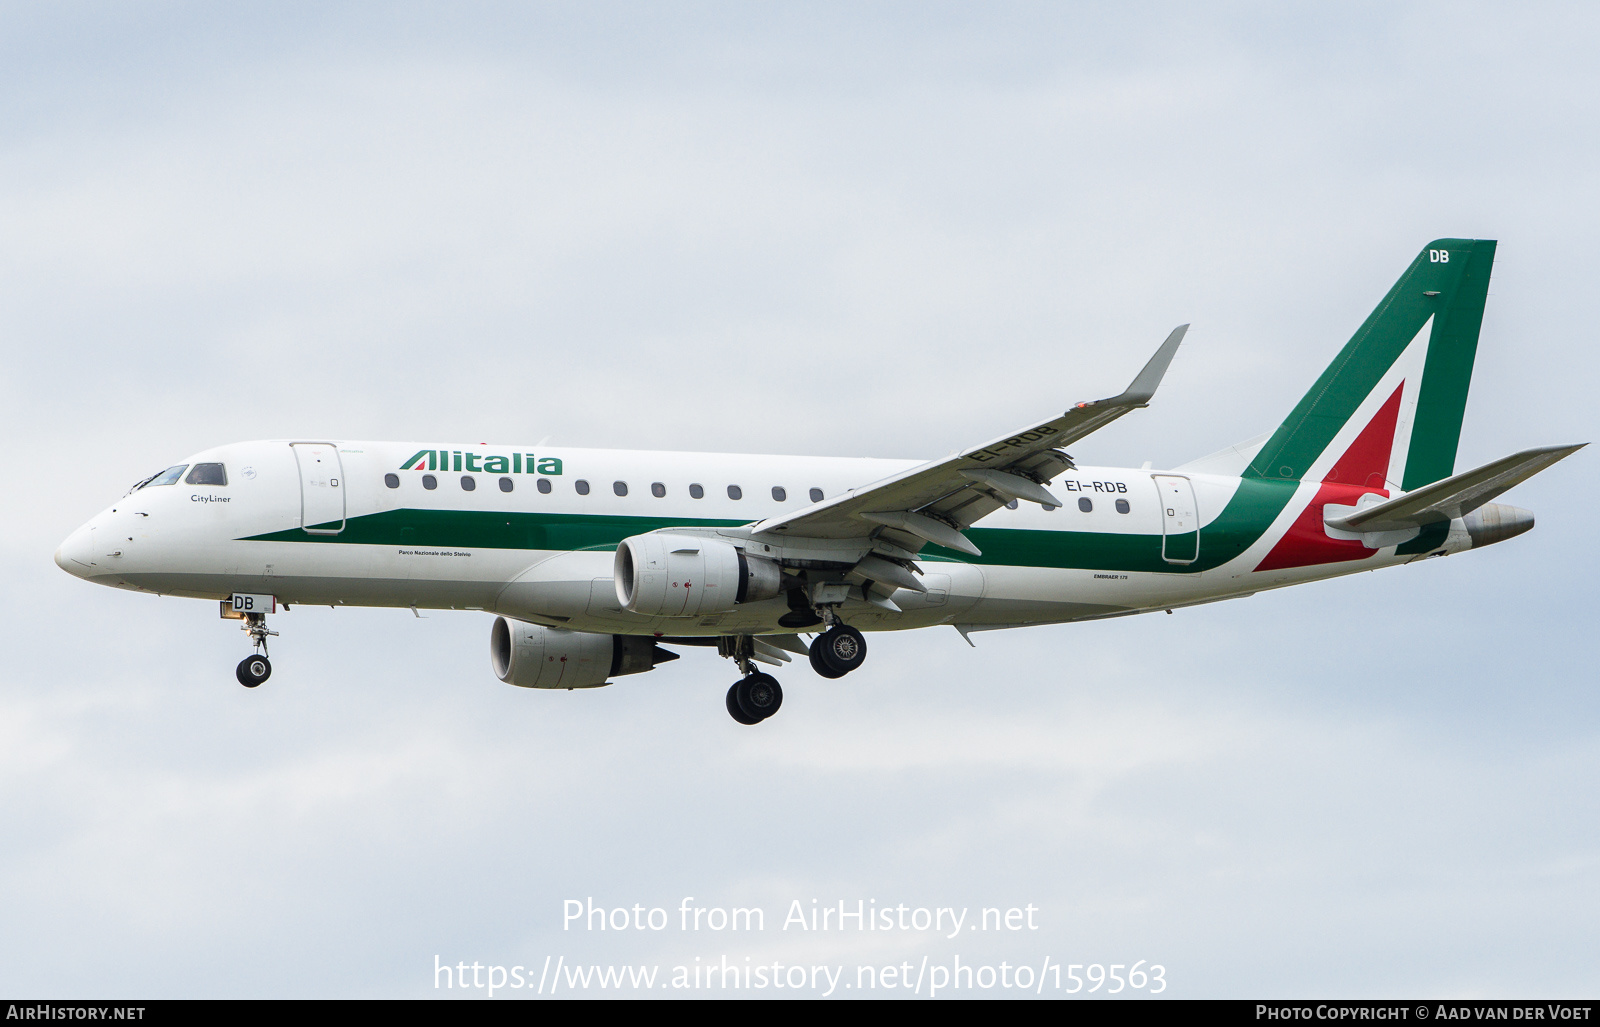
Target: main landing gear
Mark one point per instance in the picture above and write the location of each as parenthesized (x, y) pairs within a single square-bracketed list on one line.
[(838, 651), (757, 695), (754, 698), (255, 669)]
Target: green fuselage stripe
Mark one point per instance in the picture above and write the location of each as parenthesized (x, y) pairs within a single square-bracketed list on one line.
[(1247, 515)]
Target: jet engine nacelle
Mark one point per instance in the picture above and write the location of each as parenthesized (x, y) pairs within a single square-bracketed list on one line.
[(663, 575), (533, 656)]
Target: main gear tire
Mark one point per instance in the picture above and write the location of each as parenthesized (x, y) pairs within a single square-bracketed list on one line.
[(821, 667), (733, 707), (840, 650), (758, 696)]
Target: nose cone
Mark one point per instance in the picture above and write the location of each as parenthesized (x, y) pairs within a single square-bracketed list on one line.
[(1496, 522), (76, 554)]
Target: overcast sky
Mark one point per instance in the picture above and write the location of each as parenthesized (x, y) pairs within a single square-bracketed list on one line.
[(850, 229)]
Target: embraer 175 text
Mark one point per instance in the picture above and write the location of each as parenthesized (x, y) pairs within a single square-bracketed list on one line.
[(594, 560)]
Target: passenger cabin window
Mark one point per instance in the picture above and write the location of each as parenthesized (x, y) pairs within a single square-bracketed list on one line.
[(1011, 505), (169, 476), (391, 480), (816, 495), (544, 486), (207, 474), (429, 482), (619, 487), (468, 483), (1049, 506), (778, 494), (697, 492), (1122, 506), (506, 485), (735, 492), (1086, 504), (582, 487), (657, 489)]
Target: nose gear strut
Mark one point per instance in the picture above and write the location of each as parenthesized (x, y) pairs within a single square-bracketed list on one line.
[(253, 670)]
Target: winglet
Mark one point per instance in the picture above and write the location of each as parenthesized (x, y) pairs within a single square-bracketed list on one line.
[(1144, 386)]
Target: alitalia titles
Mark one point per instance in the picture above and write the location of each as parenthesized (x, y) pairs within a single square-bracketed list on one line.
[(467, 460)]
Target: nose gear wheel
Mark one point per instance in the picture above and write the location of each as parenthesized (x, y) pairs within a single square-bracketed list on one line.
[(253, 670)]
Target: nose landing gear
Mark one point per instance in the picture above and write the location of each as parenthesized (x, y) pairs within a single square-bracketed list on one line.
[(253, 670)]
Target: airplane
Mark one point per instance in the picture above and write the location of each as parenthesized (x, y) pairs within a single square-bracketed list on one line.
[(599, 564)]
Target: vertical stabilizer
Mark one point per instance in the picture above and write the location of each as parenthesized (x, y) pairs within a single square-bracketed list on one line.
[(1387, 412)]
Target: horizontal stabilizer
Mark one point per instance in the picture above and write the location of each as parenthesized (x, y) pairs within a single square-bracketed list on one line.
[(1446, 500)]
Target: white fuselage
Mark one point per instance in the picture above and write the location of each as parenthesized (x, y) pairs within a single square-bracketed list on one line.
[(546, 556)]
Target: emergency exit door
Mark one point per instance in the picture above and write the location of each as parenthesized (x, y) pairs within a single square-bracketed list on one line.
[(321, 488), (1180, 519)]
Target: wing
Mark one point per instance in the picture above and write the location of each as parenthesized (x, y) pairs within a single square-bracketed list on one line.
[(934, 502)]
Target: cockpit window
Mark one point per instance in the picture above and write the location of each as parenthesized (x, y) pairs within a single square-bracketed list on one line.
[(207, 474), (169, 476)]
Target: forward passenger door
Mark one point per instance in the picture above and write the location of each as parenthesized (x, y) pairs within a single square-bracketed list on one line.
[(322, 487)]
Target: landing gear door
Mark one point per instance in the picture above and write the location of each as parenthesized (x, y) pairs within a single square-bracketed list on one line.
[(321, 488), (1180, 519)]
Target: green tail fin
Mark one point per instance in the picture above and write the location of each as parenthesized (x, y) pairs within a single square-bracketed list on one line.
[(1408, 366)]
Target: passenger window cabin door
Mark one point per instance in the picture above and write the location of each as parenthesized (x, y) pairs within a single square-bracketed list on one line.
[(1180, 519), (322, 487)]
